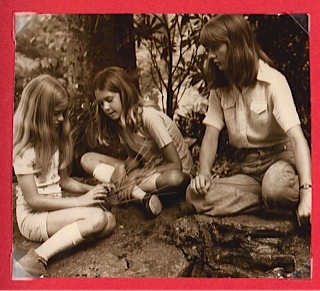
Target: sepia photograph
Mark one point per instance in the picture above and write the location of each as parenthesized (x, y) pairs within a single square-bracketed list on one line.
[(161, 146)]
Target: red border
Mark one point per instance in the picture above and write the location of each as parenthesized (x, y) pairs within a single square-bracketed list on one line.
[(146, 6)]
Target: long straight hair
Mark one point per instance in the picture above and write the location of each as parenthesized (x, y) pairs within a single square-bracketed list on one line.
[(116, 80), (34, 122), (243, 50)]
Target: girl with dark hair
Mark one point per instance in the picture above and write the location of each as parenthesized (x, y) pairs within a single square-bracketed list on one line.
[(158, 157), (42, 150), (253, 100)]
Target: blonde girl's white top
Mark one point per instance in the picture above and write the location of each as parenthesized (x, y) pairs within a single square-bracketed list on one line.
[(47, 182), (157, 131)]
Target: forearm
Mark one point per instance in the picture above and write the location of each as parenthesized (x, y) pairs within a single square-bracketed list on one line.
[(303, 166), (71, 185), (45, 203), (302, 158), (208, 150), (303, 162), (302, 155)]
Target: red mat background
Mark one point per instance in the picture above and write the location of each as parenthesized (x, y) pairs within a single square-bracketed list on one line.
[(7, 10)]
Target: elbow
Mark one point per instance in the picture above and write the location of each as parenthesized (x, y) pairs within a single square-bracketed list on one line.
[(64, 182), (35, 207), (34, 204), (297, 137)]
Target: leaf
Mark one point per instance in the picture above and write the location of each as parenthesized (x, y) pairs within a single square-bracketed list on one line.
[(184, 20), (156, 27)]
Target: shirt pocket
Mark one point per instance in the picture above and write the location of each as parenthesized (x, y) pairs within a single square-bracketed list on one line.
[(259, 110), (229, 109)]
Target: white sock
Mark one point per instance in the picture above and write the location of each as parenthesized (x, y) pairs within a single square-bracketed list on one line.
[(138, 193), (103, 172), (149, 184), (63, 239)]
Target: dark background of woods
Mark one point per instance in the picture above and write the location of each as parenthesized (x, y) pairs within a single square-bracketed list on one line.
[(74, 48)]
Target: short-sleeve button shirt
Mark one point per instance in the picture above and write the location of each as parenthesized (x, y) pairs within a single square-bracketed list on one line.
[(256, 116), (158, 131)]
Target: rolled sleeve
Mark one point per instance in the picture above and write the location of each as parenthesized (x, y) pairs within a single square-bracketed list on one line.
[(24, 164), (156, 127), (284, 109), (214, 116)]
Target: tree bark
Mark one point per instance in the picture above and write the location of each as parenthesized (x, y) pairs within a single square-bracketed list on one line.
[(96, 41)]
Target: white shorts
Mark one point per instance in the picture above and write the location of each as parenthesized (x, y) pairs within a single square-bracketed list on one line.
[(32, 224)]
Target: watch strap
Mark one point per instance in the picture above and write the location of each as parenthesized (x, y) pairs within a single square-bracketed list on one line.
[(305, 186)]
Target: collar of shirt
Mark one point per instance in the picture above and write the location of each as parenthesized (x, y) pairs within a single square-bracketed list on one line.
[(265, 73)]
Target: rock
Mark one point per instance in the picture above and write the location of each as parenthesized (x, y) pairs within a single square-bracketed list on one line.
[(242, 246)]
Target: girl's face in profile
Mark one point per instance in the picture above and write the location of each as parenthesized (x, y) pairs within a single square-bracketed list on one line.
[(218, 54), (110, 103), (58, 115)]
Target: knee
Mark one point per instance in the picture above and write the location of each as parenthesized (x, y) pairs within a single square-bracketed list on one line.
[(108, 226), (98, 219), (177, 179), (85, 161), (111, 222), (280, 185)]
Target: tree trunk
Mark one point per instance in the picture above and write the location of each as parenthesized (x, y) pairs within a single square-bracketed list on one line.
[(96, 41)]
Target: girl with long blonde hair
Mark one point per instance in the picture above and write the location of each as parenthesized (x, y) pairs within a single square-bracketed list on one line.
[(42, 151)]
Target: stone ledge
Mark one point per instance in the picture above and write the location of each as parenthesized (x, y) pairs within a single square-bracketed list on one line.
[(242, 246)]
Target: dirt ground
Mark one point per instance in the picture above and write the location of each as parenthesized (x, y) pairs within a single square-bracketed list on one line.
[(139, 247)]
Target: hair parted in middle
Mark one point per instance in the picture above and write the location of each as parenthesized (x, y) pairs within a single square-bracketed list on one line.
[(34, 122), (117, 80), (243, 50)]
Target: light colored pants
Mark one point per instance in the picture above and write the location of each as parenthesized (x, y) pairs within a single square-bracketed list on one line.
[(264, 177)]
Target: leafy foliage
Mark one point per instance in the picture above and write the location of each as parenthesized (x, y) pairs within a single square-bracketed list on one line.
[(74, 47), (173, 44), (41, 47)]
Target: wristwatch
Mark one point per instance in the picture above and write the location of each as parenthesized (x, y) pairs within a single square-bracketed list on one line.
[(305, 186)]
